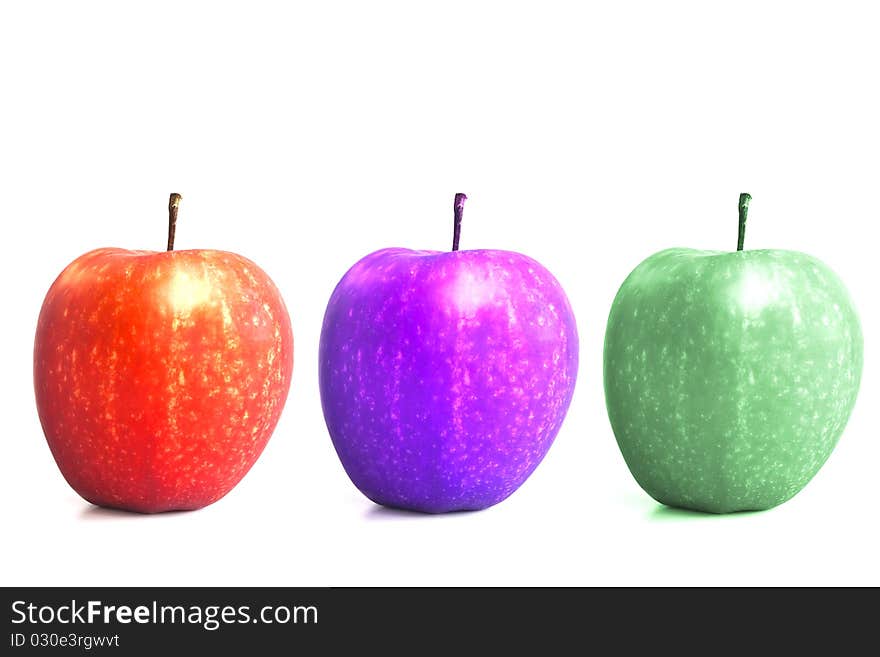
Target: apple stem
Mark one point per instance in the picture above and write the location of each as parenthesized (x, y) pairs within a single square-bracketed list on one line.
[(743, 215), (173, 205), (458, 211)]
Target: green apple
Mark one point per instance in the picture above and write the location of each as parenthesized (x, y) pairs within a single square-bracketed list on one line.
[(729, 376)]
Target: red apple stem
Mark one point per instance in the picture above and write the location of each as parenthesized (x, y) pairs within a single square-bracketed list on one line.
[(458, 210), (173, 205), (743, 215)]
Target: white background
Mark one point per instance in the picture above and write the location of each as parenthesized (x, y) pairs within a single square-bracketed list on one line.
[(305, 136)]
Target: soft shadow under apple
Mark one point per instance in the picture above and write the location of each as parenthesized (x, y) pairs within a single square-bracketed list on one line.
[(376, 513), (97, 513), (661, 512)]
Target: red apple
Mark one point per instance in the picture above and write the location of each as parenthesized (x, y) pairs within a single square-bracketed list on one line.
[(160, 376)]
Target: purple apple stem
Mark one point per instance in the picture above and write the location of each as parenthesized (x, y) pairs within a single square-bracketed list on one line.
[(743, 215), (458, 209), (173, 205)]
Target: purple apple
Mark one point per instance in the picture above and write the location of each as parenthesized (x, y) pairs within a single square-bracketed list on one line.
[(445, 376)]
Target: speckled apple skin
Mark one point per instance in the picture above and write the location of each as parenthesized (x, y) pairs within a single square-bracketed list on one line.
[(729, 377), (160, 376), (445, 377)]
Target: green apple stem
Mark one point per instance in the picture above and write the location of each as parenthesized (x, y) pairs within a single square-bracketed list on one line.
[(743, 215), (458, 210), (173, 205)]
